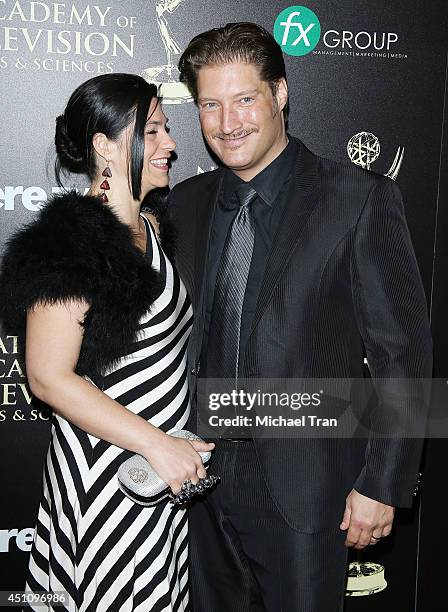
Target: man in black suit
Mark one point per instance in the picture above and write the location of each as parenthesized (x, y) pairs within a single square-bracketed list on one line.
[(297, 267)]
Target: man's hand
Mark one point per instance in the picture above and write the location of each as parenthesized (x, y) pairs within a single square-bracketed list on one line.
[(367, 520)]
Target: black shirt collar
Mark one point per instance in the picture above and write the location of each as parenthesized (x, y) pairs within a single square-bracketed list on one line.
[(270, 180)]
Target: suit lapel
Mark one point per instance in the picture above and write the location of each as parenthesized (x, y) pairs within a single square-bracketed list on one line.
[(301, 201), (205, 212)]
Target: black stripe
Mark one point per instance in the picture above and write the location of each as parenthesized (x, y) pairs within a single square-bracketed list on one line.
[(100, 519), (136, 366), (150, 323), (161, 573), (45, 563), (42, 532), (184, 594), (109, 473), (45, 505), (152, 383), (125, 556), (42, 564), (169, 311), (67, 508), (124, 593), (72, 466), (61, 537), (176, 416), (152, 500), (62, 541), (104, 549), (82, 439), (180, 572)]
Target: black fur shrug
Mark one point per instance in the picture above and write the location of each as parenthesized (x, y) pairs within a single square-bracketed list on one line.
[(77, 248)]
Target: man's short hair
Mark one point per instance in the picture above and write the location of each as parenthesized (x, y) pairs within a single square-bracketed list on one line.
[(235, 42)]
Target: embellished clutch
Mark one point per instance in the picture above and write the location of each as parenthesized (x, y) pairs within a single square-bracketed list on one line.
[(141, 483)]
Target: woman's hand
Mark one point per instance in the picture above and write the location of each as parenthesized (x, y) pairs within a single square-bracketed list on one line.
[(176, 460)]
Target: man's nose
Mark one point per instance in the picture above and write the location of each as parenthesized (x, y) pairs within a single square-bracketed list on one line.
[(230, 120)]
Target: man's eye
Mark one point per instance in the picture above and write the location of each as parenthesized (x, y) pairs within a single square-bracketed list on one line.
[(209, 105)]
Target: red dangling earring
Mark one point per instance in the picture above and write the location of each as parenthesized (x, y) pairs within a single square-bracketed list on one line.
[(105, 184)]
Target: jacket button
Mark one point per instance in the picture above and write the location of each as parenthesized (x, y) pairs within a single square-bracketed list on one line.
[(418, 484), (195, 371)]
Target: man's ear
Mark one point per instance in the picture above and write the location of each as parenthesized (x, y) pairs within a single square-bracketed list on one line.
[(282, 93)]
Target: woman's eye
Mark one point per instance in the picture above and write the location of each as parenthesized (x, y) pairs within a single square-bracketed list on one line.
[(247, 100), (152, 132)]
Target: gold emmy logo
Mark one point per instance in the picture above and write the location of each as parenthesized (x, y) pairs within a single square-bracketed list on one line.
[(364, 148), (166, 76), (364, 579)]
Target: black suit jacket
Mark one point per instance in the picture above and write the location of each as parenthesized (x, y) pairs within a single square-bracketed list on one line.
[(341, 282)]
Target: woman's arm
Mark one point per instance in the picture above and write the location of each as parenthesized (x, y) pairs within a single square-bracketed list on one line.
[(53, 342)]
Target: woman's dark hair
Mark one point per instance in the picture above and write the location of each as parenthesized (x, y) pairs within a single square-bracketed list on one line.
[(108, 104), (235, 42)]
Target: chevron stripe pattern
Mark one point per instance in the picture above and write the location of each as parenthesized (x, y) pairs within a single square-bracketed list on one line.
[(108, 553)]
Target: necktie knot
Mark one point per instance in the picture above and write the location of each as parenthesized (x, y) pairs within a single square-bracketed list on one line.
[(245, 194)]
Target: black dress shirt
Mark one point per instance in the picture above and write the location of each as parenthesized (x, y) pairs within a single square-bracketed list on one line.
[(271, 185)]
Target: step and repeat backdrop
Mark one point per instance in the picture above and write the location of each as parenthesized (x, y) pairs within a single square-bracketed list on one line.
[(367, 83)]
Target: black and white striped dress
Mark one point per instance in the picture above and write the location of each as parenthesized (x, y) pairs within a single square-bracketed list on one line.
[(108, 553)]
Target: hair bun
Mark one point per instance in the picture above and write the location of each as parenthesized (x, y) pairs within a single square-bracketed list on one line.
[(67, 151)]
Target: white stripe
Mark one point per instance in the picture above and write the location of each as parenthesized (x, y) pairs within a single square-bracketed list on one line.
[(147, 399), (42, 546), (99, 502), (145, 374), (166, 323), (162, 586), (164, 298), (111, 558), (75, 446), (155, 251), (172, 322), (64, 524), (163, 415)]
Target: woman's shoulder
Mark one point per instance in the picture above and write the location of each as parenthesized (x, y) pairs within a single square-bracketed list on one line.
[(68, 225), (66, 252), (76, 213), (68, 205)]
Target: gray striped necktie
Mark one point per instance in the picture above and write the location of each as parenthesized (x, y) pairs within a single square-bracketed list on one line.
[(231, 280)]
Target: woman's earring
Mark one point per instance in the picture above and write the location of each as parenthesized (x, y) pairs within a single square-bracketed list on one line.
[(105, 184)]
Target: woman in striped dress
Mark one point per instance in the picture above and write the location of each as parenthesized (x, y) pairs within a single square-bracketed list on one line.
[(107, 323)]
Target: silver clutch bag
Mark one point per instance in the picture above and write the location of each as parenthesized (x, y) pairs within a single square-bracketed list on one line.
[(142, 484)]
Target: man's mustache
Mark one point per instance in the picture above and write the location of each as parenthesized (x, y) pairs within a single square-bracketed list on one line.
[(234, 135)]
